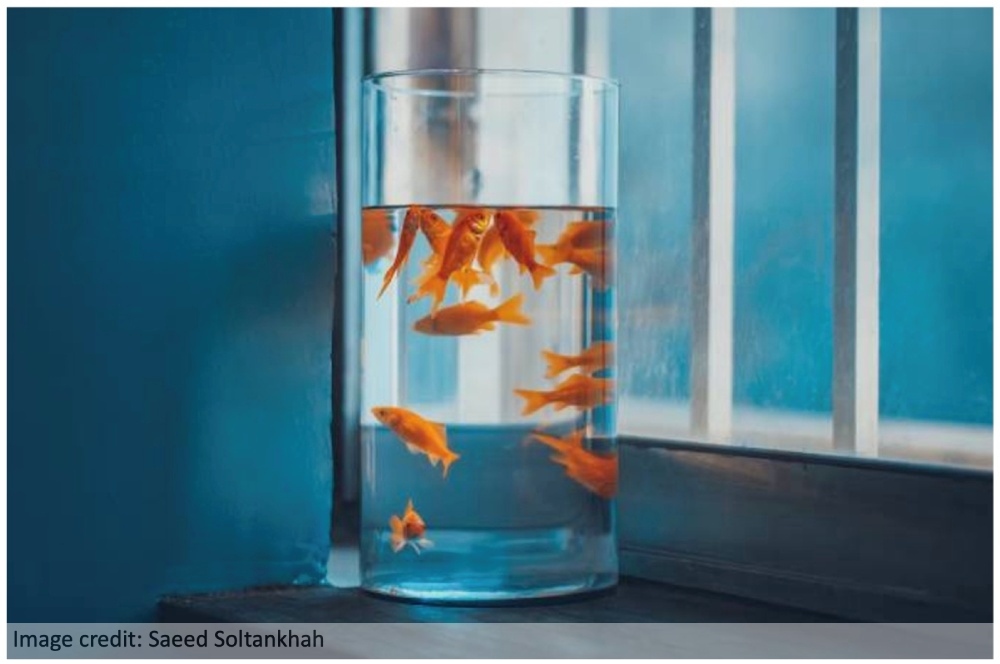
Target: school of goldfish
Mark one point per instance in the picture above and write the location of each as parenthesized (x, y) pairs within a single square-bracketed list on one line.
[(465, 253)]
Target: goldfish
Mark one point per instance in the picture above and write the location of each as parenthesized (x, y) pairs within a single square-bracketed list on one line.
[(598, 473), (578, 390), (576, 235), (490, 251), (463, 243), (410, 225), (409, 529), (437, 231), (472, 318), (376, 235), (594, 261), (582, 244), (419, 435), (519, 241), (595, 358), (491, 248)]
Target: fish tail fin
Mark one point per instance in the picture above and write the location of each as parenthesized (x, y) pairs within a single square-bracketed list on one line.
[(533, 400), (557, 363), (387, 279), (539, 273), (510, 311), (468, 278), (434, 286), (555, 443), (494, 287), (447, 461), (430, 269), (550, 254), (396, 538)]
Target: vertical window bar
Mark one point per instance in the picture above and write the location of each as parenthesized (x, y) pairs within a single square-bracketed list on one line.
[(712, 233), (591, 41), (579, 40), (856, 233), (347, 331)]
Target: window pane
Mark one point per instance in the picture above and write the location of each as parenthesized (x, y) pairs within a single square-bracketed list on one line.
[(936, 305), (652, 56), (783, 333)]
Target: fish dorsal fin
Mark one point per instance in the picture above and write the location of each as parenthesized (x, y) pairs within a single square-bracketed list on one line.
[(440, 428), (413, 448)]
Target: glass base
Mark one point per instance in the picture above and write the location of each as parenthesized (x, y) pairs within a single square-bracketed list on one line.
[(477, 567), (501, 594)]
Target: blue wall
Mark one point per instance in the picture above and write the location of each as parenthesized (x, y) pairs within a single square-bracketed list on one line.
[(170, 305)]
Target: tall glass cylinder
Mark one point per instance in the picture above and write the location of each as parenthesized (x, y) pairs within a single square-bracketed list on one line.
[(489, 462)]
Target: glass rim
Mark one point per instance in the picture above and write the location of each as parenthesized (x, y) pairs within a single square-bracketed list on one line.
[(374, 80)]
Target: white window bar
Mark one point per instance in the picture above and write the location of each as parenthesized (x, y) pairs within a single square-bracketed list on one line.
[(856, 233), (712, 232)]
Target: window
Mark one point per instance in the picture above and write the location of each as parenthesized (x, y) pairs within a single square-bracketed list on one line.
[(926, 96), (747, 150)]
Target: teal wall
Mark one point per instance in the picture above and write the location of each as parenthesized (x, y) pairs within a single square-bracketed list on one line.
[(170, 305)]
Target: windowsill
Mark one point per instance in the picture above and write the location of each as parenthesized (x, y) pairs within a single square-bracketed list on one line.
[(920, 441), (869, 539), (633, 601)]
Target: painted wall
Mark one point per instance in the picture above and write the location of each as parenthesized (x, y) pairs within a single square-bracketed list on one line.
[(169, 284)]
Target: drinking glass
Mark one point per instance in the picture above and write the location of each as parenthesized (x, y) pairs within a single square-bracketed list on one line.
[(489, 461)]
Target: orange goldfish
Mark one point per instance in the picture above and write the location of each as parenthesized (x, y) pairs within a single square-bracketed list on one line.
[(594, 261), (519, 241), (491, 248), (597, 473), (472, 318), (582, 245), (595, 358), (435, 229), (576, 235), (410, 225), (409, 529), (578, 390), (419, 435), (376, 235), (490, 251), (458, 255)]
